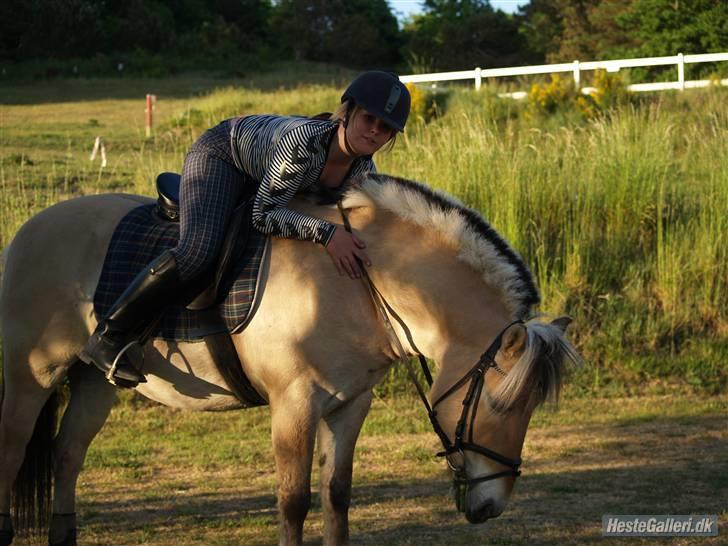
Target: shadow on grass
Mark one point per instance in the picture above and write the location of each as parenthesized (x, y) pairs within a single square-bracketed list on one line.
[(549, 508), (668, 466), (60, 91), (181, 86)]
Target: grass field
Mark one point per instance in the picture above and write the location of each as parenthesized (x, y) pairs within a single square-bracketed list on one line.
[(160, 477), (622, 220)]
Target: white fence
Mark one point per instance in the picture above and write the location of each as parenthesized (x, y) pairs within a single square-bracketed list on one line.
[(577, 67)]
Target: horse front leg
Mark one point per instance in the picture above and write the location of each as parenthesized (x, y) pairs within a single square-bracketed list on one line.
[(337, 435), (293, 422)]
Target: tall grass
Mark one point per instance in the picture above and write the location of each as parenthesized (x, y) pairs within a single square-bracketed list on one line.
[(621, 218)]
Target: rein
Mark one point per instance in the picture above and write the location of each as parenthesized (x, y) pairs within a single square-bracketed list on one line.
[(475, 377)]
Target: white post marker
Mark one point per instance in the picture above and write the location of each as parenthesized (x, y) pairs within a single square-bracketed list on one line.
[(103, 155), (478, 78), (99, 147), (97, 143)]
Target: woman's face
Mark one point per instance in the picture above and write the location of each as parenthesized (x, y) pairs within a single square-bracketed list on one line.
[(367, 133)]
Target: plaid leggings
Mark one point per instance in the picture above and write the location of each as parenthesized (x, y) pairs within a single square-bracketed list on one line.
[(210, 189)]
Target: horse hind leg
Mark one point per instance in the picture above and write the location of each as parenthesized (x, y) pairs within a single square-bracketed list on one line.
[(27, 426), (90, 403)]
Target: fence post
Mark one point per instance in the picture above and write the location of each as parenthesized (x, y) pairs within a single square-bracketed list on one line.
[(681, 71), (577, 76), (149, 116), (478, 79)]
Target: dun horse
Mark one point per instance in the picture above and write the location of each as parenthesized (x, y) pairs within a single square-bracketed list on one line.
[(315, 349)]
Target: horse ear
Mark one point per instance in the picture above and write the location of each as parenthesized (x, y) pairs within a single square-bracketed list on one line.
[(514, 340), (562, 323)]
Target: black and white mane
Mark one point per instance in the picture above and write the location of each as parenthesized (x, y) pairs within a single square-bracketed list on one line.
[(477, 243)]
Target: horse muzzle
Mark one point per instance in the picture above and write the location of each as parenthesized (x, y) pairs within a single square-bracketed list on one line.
[(481, 514), (479, 507)]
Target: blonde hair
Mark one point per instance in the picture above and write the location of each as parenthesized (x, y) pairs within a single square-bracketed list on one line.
[(343, 110), (349, 110)]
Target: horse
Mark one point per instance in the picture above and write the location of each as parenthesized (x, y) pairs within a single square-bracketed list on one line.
[(314, 350)]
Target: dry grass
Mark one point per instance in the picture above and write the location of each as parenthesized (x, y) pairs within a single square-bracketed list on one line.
[(159, 477)]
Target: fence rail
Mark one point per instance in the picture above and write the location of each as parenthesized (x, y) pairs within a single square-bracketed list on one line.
[(577, 67)]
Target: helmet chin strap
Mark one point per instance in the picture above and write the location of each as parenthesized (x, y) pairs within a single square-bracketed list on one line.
[(347, 145)]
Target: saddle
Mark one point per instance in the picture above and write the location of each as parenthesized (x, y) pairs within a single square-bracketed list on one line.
[(211, 291)]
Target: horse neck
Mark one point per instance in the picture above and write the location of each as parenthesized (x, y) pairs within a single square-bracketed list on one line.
[(452, 314)]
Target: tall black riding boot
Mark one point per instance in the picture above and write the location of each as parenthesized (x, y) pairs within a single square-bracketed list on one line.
[(140, 304)]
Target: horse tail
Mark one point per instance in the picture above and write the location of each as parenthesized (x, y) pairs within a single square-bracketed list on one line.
[(3, 261), (32, 490)]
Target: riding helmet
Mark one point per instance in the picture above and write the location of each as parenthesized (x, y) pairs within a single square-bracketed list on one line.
[(382, 95)]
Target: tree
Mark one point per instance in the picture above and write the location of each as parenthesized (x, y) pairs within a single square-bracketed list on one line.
[(133, 25), (541, 26), (666, 27), (564, 30), (82, 28), (361, 33), (53, 28), (16, 17), (457, 34)]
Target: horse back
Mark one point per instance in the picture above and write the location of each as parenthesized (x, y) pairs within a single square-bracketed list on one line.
[(51, 270)]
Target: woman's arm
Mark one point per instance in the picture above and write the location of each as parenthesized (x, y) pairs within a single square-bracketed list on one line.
[(283, 178)]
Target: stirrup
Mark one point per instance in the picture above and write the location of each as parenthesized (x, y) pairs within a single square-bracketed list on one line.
[(110, 374)]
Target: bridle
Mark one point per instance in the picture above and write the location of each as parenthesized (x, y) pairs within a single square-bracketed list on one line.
[(474, 378)]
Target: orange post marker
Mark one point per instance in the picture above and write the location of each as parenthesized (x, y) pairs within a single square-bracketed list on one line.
[(149, 115)]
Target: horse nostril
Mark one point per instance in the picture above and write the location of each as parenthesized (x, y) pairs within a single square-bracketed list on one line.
[(480, 515)]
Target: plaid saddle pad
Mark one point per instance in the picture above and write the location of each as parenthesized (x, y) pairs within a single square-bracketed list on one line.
[(140, 237)]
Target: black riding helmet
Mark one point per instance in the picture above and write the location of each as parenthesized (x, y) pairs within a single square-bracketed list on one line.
[(382, 95)]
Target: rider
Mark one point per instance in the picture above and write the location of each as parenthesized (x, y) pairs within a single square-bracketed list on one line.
[(276, 157)]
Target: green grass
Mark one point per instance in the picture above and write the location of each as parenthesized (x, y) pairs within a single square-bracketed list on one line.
[(146, 482), (621, 218)]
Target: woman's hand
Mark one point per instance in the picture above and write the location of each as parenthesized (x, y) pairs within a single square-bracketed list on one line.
[(344, 248)]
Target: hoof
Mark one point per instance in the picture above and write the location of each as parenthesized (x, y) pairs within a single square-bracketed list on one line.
[(69, 539), (6, 538), (6, 530)]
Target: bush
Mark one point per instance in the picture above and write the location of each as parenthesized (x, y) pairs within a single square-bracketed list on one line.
[(560, 96), (609, 92), (549, 98), (486, 101), (427, 104)]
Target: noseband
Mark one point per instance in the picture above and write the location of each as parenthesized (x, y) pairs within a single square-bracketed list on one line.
[(476, 379)]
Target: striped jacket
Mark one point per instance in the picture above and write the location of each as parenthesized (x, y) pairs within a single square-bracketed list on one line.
[(286, 155)]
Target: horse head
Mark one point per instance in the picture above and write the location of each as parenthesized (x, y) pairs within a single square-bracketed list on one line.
[(526, 370), (464, 296)]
